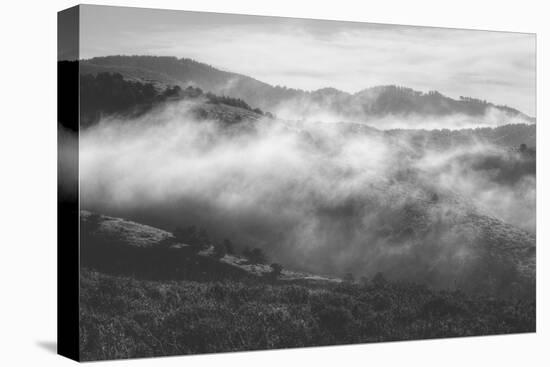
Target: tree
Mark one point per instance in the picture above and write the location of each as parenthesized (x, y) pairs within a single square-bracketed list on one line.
[(348, 278), (228, 247), (203, 239), (172, 91), (276, 270), (379, 280), (220, 250), (193, 236), (185, 235), (255, 256), (523, 148)]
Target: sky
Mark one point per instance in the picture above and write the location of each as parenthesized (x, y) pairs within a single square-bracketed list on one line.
[(499, 67)]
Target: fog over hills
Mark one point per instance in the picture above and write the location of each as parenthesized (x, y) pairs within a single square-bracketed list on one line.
[(381, 106), (441, 207), (249, 182)]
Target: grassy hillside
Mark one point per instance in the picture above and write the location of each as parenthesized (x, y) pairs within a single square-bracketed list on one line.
[(147, 292), (123, 317)]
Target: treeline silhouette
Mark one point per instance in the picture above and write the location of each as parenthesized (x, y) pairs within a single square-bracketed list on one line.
[(195, 92), (158, 67), (173, 70), (510, 135), (393, 99), (380, 100), (235, 102), (110, 94)]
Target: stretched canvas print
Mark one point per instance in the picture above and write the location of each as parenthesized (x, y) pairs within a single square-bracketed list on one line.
[(236, 183)]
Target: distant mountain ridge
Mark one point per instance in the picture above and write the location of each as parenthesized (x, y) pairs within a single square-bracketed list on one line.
[(369, 103)]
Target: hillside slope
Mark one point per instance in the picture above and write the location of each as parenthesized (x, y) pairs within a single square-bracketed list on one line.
[(123, 246), (370, 103), (144, 294), (475, 252), (107, 95), (512, 136)]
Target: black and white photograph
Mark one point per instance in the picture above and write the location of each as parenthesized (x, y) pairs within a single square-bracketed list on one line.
[(244, 183)]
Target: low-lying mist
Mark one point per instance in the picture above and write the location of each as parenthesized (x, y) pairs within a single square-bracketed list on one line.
[(297, 110), (314, 196), (394, 107)]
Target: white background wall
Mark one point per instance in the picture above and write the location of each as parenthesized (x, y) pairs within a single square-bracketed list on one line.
[(28, 183)]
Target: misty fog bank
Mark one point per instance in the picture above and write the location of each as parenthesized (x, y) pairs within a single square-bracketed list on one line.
[(298, 110), (315, 196)]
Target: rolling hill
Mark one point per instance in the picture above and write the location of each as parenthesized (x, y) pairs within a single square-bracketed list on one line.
[(362, 106), (434, 237), (146, 295)]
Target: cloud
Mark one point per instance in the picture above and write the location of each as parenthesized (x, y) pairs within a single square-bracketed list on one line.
[(496, 66)]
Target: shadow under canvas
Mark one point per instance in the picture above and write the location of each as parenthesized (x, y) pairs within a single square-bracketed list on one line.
[(49, 346)]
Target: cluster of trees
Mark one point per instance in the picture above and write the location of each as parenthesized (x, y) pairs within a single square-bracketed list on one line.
[(510, 135), (223, 248), (193, 236), (191, 92), (394, 99), (173, 70), (229, 101), (472, 100), (109, 93), (527, 151), (198, 239), (195, 92), (168, 69), (257, 256)]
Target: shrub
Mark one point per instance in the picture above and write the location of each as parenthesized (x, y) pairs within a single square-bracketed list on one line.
[(276, 270), (335, 319), (219, 250), (228, 247), (193, 236), (348, 278), (379, 280), (123, 317), (255, 255)]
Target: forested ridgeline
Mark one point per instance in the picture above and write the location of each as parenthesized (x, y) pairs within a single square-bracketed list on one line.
[(107, 94)]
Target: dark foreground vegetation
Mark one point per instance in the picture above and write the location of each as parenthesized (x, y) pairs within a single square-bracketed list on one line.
[(167, 300), (122, 317)]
